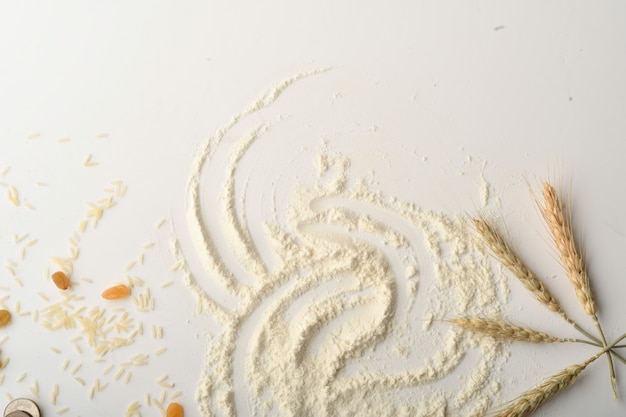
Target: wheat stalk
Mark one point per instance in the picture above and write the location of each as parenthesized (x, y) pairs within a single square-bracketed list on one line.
[(561, 230), (531, 400), (507, 257), (505, 331), (513, 263), (563, 237)]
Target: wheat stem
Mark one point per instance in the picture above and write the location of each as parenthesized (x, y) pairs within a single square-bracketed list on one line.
[(609, 355), (563, 236), (587, 342), (614, 343), (581, 330)]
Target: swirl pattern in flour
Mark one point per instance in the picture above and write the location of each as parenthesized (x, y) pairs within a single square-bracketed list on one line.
[(330, 312)]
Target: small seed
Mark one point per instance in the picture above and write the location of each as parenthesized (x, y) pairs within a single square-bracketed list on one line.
[(61, 280), (175, 410), (5, 317), (116, 292)]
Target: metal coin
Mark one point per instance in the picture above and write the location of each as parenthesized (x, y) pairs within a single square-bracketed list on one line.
[(18, 414), (22, 407)]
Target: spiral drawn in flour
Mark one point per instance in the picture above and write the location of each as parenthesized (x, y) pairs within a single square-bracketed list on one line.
[(329, 312)]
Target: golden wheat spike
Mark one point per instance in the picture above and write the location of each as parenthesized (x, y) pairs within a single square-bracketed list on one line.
[(560, 228), (513, 263)]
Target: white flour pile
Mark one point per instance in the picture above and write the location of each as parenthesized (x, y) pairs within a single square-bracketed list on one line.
[(344, 320)]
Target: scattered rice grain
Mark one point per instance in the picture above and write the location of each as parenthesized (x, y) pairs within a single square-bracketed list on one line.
[(119, 374), (133, 409), (158, 404), (76, 368), (88, 162), (18, 239), (53, 395), (34, 389)]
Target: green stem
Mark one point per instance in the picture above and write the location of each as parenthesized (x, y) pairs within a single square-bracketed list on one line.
[(584, 332), (608, 355), (596, 341), (587, 342), (616, 341), (614, 345), (579, 328), (618, 356)]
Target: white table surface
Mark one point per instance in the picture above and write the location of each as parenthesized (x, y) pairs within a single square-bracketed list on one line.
[(534, 89)]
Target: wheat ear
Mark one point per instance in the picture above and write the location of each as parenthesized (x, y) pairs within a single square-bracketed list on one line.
[(563, 237), (561, 230), (505, 331), (507, 257), (513, 263), (531, 400)]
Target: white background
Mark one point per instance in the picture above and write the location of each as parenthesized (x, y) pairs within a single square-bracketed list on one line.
[(535, 89)]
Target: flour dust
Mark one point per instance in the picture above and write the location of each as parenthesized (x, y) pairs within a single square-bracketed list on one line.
[(334, 302)]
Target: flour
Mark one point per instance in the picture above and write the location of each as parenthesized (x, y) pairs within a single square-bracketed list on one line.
[(347, 319)]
